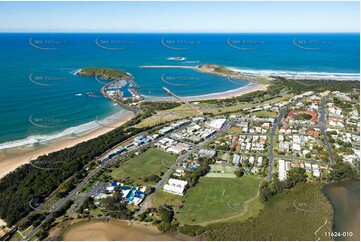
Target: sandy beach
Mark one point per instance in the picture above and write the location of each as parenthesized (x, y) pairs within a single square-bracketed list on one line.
[(23, 156), (252, 87)]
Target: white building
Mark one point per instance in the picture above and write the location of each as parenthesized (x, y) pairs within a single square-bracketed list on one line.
[(316, 170), (175, 186), (175, 149), (236, 159), (283, 167), (216, 124)]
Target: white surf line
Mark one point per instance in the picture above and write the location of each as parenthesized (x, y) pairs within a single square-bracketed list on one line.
[(320, 228), (169, 66)]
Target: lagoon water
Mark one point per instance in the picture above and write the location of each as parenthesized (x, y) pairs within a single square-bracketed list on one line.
[(345, 199), (38, 84)]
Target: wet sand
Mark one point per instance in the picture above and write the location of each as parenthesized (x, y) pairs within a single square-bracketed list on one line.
[(13, 158), (117, 230)]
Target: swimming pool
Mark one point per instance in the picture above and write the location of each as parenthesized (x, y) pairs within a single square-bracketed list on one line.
[(134, 193)]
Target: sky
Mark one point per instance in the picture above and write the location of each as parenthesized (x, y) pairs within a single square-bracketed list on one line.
[(247, 17)]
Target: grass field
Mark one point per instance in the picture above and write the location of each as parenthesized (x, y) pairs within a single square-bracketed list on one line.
[(217, 199), (164, 198), (235, 129), (216, 171), (265, 114), (300, 214), (145, 164)]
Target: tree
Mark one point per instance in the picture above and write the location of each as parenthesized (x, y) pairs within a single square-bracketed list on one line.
[(341, 171), (239, 172)]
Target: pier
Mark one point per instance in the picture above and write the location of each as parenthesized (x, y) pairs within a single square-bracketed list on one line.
[(177, 97)]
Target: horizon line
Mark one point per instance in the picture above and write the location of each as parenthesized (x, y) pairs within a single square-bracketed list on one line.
[(146, 32)]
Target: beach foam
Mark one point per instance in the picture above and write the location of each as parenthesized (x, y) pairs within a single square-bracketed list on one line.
[(72, 131), (300, 74)]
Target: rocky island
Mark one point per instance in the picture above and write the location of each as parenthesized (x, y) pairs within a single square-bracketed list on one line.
[(104, 73)]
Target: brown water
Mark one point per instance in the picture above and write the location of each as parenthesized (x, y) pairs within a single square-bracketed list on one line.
[(345, 199), (117, 230)]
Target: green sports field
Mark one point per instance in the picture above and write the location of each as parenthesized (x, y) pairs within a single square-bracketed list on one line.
[(145, 164), (217, 199)]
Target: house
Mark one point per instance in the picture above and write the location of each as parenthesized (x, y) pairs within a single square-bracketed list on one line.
[(259, 161), (206, 153), (236, 159), (315, 170)]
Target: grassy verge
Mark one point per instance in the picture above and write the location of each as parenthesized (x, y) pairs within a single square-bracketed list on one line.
[(265, 114)]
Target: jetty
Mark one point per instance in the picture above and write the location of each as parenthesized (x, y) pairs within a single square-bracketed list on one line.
[(174, 95)]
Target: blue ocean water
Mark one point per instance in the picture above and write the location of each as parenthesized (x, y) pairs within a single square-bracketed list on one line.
[(39, 86)]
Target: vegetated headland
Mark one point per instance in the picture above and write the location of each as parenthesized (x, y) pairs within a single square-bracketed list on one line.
[(114, 90)]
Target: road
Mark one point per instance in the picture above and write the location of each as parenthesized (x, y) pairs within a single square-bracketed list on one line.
[(323, 129), (273, 132)]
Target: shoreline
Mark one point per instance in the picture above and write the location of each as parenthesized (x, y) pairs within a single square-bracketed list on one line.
[(11, 164), (98, 229), (251, 87)]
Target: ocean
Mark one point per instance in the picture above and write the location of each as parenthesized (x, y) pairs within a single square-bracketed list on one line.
[(42, 99)]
